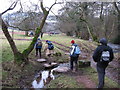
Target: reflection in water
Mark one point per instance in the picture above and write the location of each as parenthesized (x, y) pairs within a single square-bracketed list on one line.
[(42, 79)]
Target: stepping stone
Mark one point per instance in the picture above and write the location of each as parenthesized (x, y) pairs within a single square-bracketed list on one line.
[(61, 69), (41, 60), (84, 63), (67, 53), (52, 65)]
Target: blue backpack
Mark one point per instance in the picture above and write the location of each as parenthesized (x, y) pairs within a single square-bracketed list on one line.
[(76, 51), (50, 46)]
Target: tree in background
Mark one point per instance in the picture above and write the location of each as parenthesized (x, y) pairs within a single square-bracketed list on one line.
[(88, 20)]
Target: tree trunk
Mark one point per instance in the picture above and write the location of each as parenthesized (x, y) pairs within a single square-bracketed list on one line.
[(18, 57), (117, 39), (37, 33)]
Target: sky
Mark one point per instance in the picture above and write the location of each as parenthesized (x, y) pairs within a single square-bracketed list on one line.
[(47, 3), (5, 4)]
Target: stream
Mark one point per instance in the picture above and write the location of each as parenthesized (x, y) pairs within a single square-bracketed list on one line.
[(43, 78), (115, 47)]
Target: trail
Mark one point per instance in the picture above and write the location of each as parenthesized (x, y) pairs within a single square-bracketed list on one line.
[(85, 80)]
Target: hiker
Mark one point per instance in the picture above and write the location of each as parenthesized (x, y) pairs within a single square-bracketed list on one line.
[(49, 47), (38, 47), (74, 55), (39, 82), (102, 55)]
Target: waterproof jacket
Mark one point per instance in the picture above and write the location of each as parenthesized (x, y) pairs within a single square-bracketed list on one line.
[(98, 52)]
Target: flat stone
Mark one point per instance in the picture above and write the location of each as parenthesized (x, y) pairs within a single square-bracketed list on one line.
[(41, 60), (52, 65), (67, 53), (61, 69)]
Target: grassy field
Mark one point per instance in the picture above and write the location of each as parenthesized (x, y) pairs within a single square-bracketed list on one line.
[(63, 81)]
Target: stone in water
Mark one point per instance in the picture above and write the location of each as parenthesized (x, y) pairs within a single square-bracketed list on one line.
[(41, 60)]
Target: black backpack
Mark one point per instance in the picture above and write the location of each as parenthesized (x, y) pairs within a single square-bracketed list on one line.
[(50, 46)]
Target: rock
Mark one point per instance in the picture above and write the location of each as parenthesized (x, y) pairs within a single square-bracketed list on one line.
[(84, 63), (67, 53), (41, 60), (61, 69), (50, 65)]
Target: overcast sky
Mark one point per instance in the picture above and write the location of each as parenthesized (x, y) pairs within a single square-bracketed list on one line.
[(4, 4), (47, 3)]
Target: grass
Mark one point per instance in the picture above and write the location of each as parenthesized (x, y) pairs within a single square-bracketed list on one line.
[(64, 81), (7, 52), (93, 75)]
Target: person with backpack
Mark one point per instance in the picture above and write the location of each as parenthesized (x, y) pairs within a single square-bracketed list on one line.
[(74, 55), (49, 47), (38, 47), (102, 55)]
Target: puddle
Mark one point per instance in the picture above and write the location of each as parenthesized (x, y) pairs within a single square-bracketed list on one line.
[(42, 78)]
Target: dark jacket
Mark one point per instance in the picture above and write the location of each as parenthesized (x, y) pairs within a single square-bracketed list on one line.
[(98, 52)]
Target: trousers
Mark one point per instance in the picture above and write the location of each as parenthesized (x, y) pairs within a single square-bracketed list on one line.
[(38, 49), (101, 75), (74, 60)]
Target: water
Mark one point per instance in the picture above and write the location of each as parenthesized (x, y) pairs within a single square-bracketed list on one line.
[(42, 78), (115, 47)]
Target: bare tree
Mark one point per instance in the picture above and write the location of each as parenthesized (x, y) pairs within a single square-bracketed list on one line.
[(23, 57)]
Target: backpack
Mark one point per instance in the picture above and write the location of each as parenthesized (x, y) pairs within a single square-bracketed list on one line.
[(76, 51), (50, 46), (39, 44), (105, 56)]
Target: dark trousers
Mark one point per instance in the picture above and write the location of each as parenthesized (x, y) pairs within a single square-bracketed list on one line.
[(74, 60), (38, 50), (101, 75)]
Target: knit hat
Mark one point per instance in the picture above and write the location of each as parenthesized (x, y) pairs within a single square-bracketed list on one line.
[(46, 40), (103, 41), (72, 41)]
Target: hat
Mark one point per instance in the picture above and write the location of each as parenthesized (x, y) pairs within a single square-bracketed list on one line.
[(46, 40), (73, 41), (38, 39), (103, 41)]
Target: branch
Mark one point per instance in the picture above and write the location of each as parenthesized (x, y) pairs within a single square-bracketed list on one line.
[(54, 4), (116, 7), (21, 28), (43, 9), (10, 8)]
